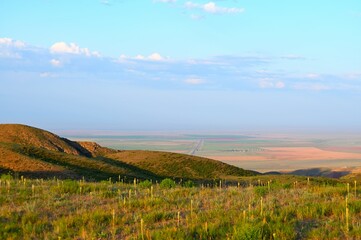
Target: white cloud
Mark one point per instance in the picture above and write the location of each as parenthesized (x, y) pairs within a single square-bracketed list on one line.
[(223, 72), (139, 57), (270, 83), (55, 62), (212, 8), (122, 58), (155, 57), (313, 76), (194, 81), (9, 48), (279, 84), (96, 54), (72, 48), (8, 42)]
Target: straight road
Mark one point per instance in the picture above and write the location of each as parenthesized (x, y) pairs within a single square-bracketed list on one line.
[(197, 146)]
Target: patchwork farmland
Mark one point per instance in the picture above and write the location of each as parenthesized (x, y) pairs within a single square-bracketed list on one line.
[(264, 153)]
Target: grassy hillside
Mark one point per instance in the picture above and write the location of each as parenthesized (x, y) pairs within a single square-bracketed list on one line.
[(35, 137), (288, 207), (33, 152), (30, 136), (177, 165)]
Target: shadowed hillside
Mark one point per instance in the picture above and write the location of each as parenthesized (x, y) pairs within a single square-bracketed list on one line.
[(167, 164), (33, 152)]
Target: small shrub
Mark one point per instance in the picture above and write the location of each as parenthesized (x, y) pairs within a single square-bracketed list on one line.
[(167, 183), (188, 184), (287, 186), (70, 186), (261, 191), (145, 184), (6, 177)]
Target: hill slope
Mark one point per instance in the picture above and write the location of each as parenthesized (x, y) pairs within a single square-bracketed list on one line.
[(33, 152), (177, 165), (35, 137)]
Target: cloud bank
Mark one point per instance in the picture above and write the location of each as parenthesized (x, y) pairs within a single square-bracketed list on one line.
[(249, 73), (72, 48), (72, 88), (8, 42)]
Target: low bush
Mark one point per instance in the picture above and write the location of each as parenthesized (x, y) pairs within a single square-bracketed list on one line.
[(145, 184), (167, 183)]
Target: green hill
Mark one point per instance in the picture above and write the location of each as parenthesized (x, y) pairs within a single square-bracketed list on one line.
[(34, 152)]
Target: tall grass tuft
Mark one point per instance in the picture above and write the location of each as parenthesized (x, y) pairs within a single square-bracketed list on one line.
[(178, 219), (142, 228), (347, 215), (113, 223), (355, 186)]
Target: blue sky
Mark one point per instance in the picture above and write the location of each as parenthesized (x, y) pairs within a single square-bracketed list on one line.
[(181, 65)]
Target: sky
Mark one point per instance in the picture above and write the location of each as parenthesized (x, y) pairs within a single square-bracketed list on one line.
[(173, 65)]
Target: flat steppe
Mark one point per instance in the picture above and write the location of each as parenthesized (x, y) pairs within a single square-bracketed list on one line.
[(261, 152)]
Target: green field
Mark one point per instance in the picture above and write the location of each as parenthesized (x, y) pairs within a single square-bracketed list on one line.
[(264, 207)]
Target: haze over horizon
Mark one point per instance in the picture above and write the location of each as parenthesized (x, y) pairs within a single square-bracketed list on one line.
[(174, 65)]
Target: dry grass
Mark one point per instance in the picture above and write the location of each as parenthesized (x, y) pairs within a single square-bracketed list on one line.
[(20, 163), (292, 208), (25, 135)]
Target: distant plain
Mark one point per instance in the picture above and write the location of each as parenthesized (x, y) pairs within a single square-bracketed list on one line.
[(260, 152)]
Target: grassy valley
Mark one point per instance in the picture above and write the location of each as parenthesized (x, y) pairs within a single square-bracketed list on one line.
[(55, 188)]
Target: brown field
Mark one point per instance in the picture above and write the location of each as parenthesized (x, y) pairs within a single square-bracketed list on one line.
[(356, 149), (291, 153), (293, 158)]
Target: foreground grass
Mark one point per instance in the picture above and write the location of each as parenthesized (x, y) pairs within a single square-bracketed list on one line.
[(284, 208)]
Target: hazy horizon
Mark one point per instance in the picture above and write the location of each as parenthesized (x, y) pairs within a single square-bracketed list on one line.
[(174, 65)]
